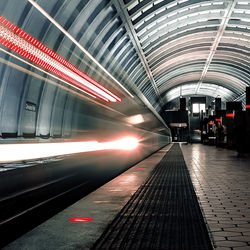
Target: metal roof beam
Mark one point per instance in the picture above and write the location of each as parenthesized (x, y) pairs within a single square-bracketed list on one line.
[(128, 24), (222, 27)]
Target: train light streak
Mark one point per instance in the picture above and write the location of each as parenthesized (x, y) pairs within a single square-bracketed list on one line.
[(28, 151), (230, 115), (127, 143), (248, 106), (28, 47)]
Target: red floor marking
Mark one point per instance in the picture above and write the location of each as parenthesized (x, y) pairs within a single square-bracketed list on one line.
[(80, 219)]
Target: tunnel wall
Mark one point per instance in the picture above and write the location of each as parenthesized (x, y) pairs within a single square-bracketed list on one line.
[(38, 108)]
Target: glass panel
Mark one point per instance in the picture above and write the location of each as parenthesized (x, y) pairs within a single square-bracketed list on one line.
[(196, 108), (203, 107)]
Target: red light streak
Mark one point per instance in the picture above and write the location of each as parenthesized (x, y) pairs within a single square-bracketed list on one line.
[(210, 123), (80, 219), (218, 120), (248, 106), (27, 46), (230, 115)]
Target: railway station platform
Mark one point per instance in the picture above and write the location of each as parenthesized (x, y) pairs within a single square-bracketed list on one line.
[(181, 197)]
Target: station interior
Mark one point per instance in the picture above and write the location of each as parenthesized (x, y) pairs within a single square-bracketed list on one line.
[(125, 124)]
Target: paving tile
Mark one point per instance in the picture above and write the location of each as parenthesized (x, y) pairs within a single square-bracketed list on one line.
[(246, 233), (223, 190), (247, 226), (242, 248), (237, 229), (219, 238), (222, 248), (227, 225), (225, 220), (229, 243), (239, 238), (226, 234), (212, 230), (238, 218), (241, 222)]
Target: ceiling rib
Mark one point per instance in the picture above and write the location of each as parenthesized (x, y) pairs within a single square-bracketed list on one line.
[(222, 27), (239, 97), (126, 18)]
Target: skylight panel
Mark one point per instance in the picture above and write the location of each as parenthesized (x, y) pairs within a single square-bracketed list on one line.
[(238, 11), (149, 17), (132, 5), (182, 18), (163, 26), (218, 3), (171, 5), (161, 19), (173, 21), (158, 1), (206, 4), (182, 10), (136, 16), (160, 10), (147, 8), (151, 25), (243, 3), (172, 14), (139, 24)]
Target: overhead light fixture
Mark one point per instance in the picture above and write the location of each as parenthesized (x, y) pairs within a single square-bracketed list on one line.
[(17, 40), (135, 119)]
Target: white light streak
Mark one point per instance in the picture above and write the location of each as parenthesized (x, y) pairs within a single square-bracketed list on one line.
[(28, 151)]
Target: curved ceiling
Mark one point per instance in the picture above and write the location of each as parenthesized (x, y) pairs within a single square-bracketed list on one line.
[(155, 48)]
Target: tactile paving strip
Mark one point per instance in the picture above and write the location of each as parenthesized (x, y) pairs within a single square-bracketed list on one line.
[(164, 213)]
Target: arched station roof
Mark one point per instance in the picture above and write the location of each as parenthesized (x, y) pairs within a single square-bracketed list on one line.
[(153, 48)]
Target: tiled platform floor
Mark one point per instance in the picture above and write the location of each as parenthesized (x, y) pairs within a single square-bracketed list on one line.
[(222, 184)]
